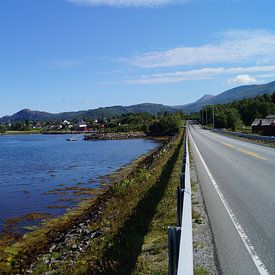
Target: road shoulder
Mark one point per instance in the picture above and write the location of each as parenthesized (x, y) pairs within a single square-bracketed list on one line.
[(205, 261)]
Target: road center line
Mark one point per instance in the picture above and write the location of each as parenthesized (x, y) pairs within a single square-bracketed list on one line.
[(251, 154), (228, 145), (244, 151), (257, 261)]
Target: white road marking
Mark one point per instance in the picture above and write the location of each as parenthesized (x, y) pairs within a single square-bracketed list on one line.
[(257, 261)]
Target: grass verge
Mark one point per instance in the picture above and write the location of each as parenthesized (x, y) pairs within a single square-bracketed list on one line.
[(122, 213), (128, 216), (153, 258), (17, 253)]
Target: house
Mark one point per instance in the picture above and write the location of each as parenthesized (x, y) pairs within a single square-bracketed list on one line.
[(37, 125), (264, 126), (81, 125), (66, 123), (55, 127)]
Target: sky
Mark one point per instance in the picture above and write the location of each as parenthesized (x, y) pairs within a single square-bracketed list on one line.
[(68, 55)]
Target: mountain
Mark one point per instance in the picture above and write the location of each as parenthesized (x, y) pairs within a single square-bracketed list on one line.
[(238, 93), (29, 115)]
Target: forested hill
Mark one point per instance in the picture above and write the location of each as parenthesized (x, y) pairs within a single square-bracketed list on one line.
[(241, 112), (238, 93), (107, 112)]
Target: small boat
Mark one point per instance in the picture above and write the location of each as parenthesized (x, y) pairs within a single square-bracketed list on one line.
[(71, 139)]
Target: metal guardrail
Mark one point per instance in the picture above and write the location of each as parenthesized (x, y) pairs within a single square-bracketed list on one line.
[(249, 136), (180, 243)]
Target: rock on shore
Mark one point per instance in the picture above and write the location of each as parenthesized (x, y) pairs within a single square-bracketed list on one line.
[(114, 136)]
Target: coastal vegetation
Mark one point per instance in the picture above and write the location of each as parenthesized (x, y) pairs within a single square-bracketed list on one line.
[(158, 124), (120, 216)]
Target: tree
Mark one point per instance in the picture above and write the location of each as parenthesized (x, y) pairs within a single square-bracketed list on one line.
[(2, 128), (168, 124)]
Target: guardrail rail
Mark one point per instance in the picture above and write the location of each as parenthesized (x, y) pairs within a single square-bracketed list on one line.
[(180, 241), (248, 136)]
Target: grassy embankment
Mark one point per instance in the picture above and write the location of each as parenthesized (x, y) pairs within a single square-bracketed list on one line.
[(141, 211), (153, 258), (132, 216)]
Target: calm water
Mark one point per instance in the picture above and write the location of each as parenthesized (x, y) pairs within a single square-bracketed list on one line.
[(31, 165)]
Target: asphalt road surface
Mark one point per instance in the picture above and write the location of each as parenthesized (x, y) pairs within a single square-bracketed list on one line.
[(238, 184)]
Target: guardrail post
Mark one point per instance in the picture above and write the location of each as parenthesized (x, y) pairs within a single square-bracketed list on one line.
[(183, 168), (182, 180), (180, 199), (173, 248)]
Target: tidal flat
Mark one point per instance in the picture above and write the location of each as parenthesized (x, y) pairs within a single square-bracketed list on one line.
[(113, 207), (45, 174)]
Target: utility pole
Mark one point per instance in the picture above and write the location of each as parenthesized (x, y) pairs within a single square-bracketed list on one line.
[(206, 116), (213, 116)]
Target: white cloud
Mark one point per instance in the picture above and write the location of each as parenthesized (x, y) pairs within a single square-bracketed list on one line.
[(242, 79), (232, 47), (202, 74), (126, 3)]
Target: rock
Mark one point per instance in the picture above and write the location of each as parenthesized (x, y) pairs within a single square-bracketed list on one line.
[(114, 136), (46, 261), (52, 248)]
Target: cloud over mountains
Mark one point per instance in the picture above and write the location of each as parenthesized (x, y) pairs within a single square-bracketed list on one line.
[(126, 3), (232, 47), (240, 56)]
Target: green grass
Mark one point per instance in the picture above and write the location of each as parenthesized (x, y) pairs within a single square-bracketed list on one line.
[(16, 253), (153, 258), (125, 219), (200, 271), (138, 201)]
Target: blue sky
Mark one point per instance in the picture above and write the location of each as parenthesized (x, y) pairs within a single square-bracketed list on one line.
[(64, 55)]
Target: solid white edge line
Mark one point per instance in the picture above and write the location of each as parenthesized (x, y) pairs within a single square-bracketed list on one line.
[(257, 261)]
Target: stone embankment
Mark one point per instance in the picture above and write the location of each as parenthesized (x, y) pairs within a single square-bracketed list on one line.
[(68, 247), (114, 136)]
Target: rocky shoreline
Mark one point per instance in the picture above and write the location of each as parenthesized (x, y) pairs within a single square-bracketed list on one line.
[(114, 136), (67, 246)]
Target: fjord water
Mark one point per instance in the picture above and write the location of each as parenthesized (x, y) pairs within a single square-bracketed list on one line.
[(32, 165)]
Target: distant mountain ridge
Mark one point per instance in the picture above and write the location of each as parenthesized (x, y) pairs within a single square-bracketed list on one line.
[(108, 112), (238, 93), (228, 96)]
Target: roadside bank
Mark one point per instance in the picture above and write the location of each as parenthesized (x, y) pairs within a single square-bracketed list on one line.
[(107, 213)]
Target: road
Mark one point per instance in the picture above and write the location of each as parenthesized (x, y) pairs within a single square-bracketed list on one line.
[(237, 179)]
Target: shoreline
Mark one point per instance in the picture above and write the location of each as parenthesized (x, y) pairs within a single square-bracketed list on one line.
[(55, 226), (15, 133), (115, 136), (103, 181), (101, 136)]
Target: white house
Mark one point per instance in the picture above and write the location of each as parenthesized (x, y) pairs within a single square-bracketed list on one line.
[(81, 125)]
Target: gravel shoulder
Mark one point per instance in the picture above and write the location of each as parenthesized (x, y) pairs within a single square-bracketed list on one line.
[(203, 245)]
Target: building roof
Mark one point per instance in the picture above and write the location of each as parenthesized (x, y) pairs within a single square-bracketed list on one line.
[(263, 122), (81, 124)]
